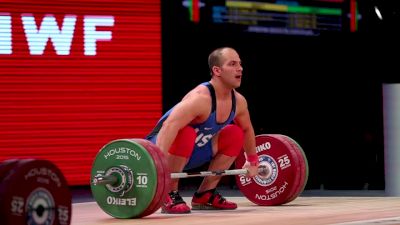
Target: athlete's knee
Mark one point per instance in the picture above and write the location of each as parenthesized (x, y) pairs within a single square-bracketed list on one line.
[(184, 142), (230, 140)]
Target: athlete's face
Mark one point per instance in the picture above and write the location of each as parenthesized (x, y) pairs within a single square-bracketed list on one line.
[(231, 69)]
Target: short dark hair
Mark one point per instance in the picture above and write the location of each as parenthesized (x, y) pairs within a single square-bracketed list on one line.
[(214, 59)]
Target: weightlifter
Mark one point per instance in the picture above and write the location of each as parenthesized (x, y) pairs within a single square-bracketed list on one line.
[(210, 124)]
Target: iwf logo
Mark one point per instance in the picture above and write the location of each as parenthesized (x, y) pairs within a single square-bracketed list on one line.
[(60, 35)]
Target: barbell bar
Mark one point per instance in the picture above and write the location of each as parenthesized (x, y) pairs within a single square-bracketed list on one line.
[(111, 179)]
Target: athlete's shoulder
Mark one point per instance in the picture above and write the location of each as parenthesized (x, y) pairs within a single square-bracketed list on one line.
[(199, 93), (241, 103), (196, 101), (239, 97)]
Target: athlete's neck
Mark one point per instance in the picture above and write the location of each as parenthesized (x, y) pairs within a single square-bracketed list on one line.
[(221, 90)]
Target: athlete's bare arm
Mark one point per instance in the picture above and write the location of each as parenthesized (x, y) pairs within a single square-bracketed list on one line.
[(243, 120), (193, 107)]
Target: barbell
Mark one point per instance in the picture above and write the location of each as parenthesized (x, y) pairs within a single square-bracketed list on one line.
[(130, 177)]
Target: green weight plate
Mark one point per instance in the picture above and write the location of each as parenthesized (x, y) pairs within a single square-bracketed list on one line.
[(35, 192), (110, 198)]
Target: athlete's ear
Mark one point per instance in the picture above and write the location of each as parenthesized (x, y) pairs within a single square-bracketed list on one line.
[(216, 70)]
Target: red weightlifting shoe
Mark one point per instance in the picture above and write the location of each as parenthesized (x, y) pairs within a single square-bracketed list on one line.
[(174, 204), (211, 199)]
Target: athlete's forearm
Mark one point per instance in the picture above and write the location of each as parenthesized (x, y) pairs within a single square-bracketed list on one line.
[(166, 137), (249, 141)]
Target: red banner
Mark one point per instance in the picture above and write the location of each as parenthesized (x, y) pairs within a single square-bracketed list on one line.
[(75, 75)]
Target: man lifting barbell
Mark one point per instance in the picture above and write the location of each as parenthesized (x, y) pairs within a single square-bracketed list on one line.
[(210, 124)]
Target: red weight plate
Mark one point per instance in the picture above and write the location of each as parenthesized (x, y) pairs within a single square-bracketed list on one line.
[(167, 174), (153, 206), (35, 192), (167, 178), (304, 167), (299, 174), (301, 168), (6, 166), (273, 187)]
